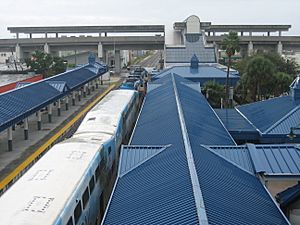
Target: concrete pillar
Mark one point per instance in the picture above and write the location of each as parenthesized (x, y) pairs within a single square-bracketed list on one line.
[(279, 33), (79, 95), (56, 35), (19, 52), (50, 113), (105, 34), (13, 127), (9, 139), (73, 98), (93, 85), (208, 33), (46, 48), (39, 122), (250, 48), (242, 33), (17, 35), (214, 33), (269, 33), (30, 35), (88, 89), (84, 90), (117, 61), (58, 107), (26, 128), (46, 35), (67, 103), (97, 83), (100, 50), (279, 48)]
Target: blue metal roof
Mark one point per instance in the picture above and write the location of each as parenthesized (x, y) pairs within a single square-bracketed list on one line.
[(202, 123), (159, 113), (272, 160), (77, 77), (22, 102), (22, 84), (232, 195), (266, 113), (157, 191), (201, 74), (156, 184), (289, 195)]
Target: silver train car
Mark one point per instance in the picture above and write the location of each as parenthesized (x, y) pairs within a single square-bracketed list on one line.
[(66, 186)]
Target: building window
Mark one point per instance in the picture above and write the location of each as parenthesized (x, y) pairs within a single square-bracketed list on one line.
[(70, 221), (77, 212), (85, 197), (92, 184)]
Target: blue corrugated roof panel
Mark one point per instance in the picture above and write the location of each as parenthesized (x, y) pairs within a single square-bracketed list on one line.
[(272, 160), (77, 77), (283, 126), (133, 156), (61, 86), (202, 123), (158, 123), (159, 191), (237, 154), (231, 195), (266, 113), (203, 74), (234, 121), (20, 103), (276, 159)]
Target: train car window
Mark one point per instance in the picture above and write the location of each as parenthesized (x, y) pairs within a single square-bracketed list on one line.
[(97, 172), (109, 150), (70, 221), (77, 212), (85, 197), (92, 184)]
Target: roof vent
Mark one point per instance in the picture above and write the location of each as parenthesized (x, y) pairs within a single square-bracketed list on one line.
[(194, 62), (295, 88), (92, 58)]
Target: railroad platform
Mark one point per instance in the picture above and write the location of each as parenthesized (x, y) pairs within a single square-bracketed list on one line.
[(25, 152)]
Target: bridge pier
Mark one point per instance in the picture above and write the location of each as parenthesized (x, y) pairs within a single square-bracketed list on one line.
[(279, 48), (100, 50), (117, 61), (250, 48), (46, 48), (19, 52)]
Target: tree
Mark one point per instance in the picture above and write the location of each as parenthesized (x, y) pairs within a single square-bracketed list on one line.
[(43, 63), (282, 83), (259, 74), (214, 92), (231, 45)]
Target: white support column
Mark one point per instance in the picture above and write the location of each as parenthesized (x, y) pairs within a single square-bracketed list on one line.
[(117, 61), (46, 48), (50, 113), (279, 48), (84, 90), (39, 122), (9, 139), (26, 128), (250, 48), (67, 103), (73, 98), (19, 53), (58, 107), (79, 95), (100, 50)]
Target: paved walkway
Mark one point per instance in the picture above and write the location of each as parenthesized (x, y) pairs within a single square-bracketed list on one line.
[(22, 149)]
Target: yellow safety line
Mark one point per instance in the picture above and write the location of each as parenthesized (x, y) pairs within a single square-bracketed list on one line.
[(42, 148)]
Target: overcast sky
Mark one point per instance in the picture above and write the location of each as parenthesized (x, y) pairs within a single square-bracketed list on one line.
[(100, 12)]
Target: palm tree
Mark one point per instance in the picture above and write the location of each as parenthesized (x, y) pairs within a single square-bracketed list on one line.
[(231, 45)]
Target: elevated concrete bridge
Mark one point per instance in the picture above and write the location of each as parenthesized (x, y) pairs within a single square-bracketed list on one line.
[(99, 39)]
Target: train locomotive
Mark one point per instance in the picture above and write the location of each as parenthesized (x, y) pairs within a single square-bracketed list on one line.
[(66, 186)]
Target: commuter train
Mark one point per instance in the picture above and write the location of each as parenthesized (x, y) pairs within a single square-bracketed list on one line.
[(66, 186)]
